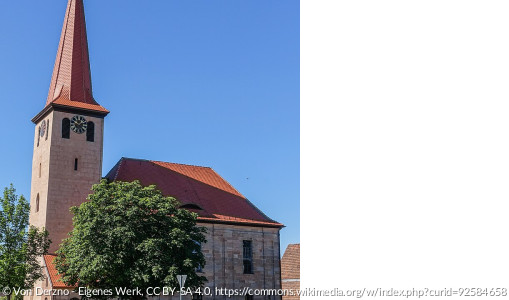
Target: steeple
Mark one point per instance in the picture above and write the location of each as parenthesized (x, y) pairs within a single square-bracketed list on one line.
[(69, 135), (71, 83)]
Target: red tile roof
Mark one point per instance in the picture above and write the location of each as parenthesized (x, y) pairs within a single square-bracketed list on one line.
[(53, 273), (290, 263), (202, 186), (71, 83), (202, 174)]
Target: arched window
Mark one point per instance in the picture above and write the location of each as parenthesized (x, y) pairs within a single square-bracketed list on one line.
[(66, 128), (37, 203), (38, 136), (90, 131)]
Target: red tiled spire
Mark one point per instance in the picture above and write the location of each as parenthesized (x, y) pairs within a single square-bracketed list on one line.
[(71, 84)]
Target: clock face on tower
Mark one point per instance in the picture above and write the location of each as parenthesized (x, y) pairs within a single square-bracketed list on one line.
[(78, 124), (42, 128)]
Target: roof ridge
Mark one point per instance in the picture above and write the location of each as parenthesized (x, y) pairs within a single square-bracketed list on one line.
[(165, 162), (189, 165)]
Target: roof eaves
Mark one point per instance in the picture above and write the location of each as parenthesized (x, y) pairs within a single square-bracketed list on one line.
[(42, 113), (253, 223), (55, 106)]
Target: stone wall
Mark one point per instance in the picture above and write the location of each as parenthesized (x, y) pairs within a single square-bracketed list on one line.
[(57, 183), (224, 255), (224, 263)]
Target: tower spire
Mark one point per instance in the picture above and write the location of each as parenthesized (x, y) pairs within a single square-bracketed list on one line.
[(71, 83)]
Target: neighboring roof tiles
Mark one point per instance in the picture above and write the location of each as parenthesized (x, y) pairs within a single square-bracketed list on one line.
[(56, 279), (201, 186), (71, 83), (290, 263)]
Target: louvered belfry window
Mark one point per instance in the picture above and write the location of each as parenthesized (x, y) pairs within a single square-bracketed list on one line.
[(90, 131), (66, 128)]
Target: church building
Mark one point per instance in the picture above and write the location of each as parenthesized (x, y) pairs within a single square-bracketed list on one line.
[(243, 244)]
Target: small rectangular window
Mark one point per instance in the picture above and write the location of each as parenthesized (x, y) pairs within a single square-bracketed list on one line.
[(247, 254), (75, 164)]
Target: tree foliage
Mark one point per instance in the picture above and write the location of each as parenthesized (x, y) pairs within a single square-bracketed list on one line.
[(131, 236), (21, 246)]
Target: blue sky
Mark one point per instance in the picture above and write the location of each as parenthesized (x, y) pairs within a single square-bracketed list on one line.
[(210, 83)]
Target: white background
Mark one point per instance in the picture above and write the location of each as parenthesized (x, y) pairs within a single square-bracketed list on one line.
[(405, 144)]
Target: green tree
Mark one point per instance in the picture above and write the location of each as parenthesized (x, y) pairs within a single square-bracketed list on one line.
[(21, 246), (131, 236)]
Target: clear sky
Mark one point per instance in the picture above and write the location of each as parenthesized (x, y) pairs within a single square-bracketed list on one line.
[(210, 83)]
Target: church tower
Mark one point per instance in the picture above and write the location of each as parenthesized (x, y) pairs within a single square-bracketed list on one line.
[(68, 144)]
